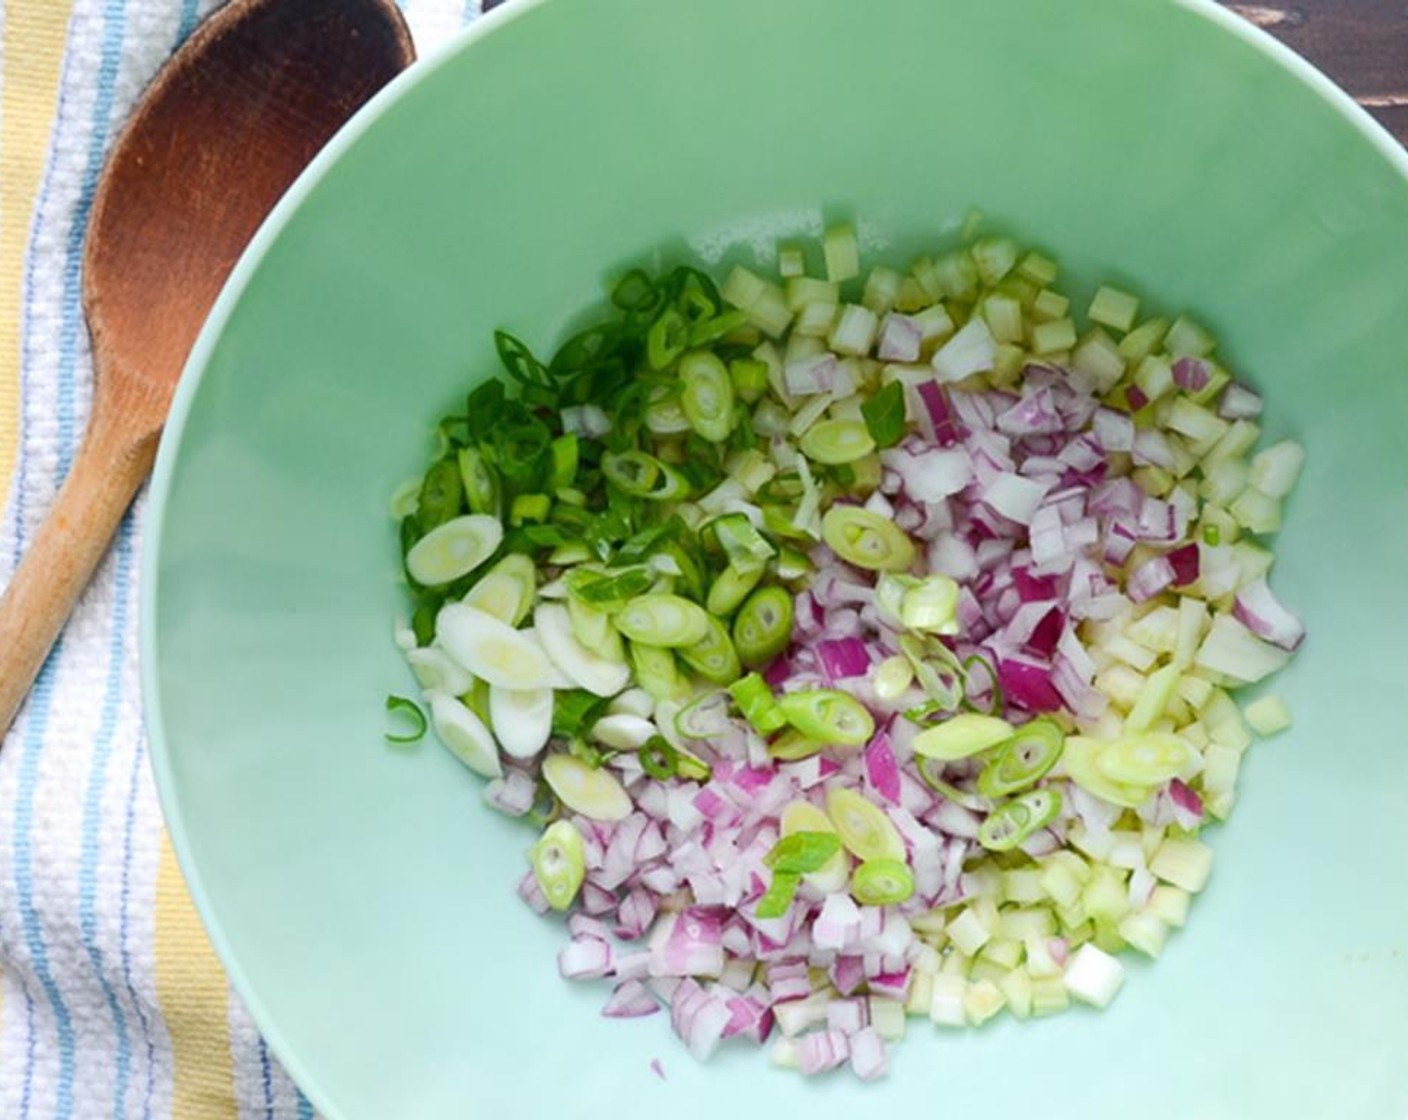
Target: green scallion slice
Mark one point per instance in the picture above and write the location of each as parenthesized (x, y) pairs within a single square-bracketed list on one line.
[(707, 399), (713, 656), (559, 863), (757, 704), (866, 539), (667, 621), (658, 758), (828, 716), (1024, 759), (801, 853), (833, 442), (1013, 821), (882, 882), (763, 626), (779, 896), (863, 827), (411, 711)]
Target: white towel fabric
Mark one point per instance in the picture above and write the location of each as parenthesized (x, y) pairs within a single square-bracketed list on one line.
[(81, 1028)]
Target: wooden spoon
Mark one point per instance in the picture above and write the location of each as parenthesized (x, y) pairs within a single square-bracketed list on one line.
[(223, 130)]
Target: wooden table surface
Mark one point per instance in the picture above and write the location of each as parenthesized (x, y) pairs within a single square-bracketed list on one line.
[(1361, 44)]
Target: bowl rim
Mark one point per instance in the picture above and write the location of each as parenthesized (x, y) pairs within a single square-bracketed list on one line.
[(193, 372)]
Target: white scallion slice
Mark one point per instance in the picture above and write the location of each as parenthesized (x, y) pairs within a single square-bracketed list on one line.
[(803, 816), (864, 828), (585, 668), (491, 649), (437, 671), (522, 719), (962, 736), (454, 549), (505, 590), (593, 793), (464, 735)]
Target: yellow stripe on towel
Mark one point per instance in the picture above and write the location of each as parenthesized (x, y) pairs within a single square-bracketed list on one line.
[(34, 36), (194, 998)]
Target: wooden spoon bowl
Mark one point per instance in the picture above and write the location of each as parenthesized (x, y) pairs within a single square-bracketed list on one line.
[(223, 130)]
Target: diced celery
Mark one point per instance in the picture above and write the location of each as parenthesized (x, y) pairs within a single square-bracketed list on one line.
[(1230, 732), (1050, 306), (982, 1001), (1220, 766), (1009, 360), (1049, 995), (968, 932), (1027, 923), (1098, 357), (1060, 883), (1093, 976), (1005, 952), (1157, 630), (1121, 684), (791, 260), (1194, 421), (1275, 470), (1004, 317), (1186, 338), (1106, 896), (1170, 905), (1145, 931), (804, 290), (1154, 376), (887, 1016), (1114, 308), (984, 881), (1017, 988), (1185, 863), (1153, 699), (855, 330), (984, 969), (1268, 715), (1096, 845), (842, 253), (1047, 338), (1107, 938), (934, 324), (1126, 850), (912, 297), (921, 993), (946, 1001), (1153, 836), (1040, 962), (1218, 380), (1022, 884), (1223, 480), (882, 288), (994, 257), (1143, 340), (1038, 269), (1240, 437), (955, 276), (814, 320), (955, 963)]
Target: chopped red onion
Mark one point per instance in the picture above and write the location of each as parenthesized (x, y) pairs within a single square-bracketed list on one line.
[(1187, 805), (630, 1000), (882, 771), (821, 1051), (843, 658), (1239, 403), (1191, 374), (1256, 608), (1150, 578), (869, 1059)]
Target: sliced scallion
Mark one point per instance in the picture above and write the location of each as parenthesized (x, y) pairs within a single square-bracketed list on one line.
[(411, 711), (713, 656), (757, 704), (828, 716), (866, 539), (837, 441), (667, 621), (882, 882), (863, 827), (1023, 759), (763, 626), (590, 791), (1013, 821), (962, 736), (559, 863), (707, 400)]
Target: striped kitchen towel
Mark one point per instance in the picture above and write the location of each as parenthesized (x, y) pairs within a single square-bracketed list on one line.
[(112, 1004)]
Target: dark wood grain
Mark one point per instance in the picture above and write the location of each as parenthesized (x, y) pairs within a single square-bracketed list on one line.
[(1361, 44)]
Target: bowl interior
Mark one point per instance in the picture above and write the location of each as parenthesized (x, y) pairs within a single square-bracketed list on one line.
[(363, 898)]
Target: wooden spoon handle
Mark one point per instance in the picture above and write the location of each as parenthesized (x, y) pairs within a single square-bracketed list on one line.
[(105, 476)]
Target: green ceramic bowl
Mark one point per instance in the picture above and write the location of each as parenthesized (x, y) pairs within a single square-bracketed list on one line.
[(362, 897)]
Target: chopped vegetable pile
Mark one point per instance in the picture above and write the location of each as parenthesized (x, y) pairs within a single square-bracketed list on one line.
[(860, 650)]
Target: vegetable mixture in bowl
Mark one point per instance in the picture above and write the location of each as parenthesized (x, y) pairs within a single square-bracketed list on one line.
[(858, 649)]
